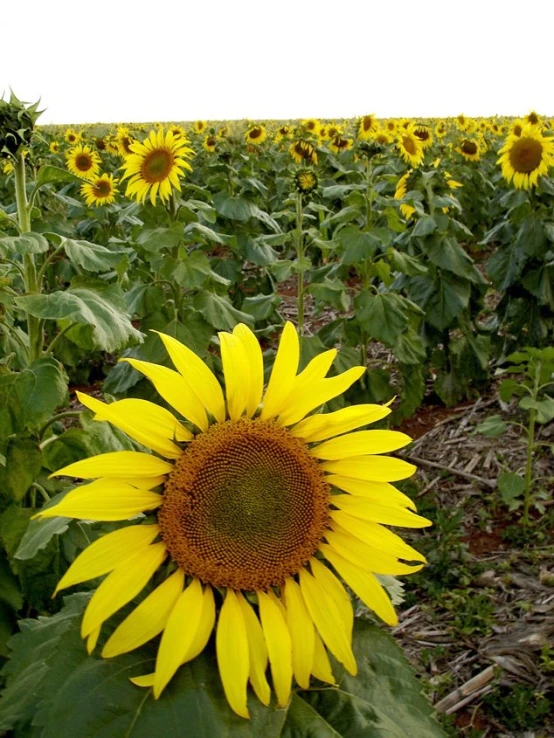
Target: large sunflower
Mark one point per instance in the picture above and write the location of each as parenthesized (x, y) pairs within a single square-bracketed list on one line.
[(410, 147), (83, 161), (155, 166), (260, 507), (526, 157), (100, 190)]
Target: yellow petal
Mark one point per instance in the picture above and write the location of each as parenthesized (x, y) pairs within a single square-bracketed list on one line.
[(302, 401), (328, 581), (364, 556), (92, 640), (146, 620), (104, 554), (179, 632), (104, 499), (197, 375), (301, 629), (120, 464), (377, 536), (364, 584), (321, 668), (119, 587), (368, 510), (371, 468), (279, 647), (257, 650), (283, 373), (172, 387), (207, 622), (359, 443), (328, 620), (235, 370), (233, 654), (327, 425), (143, 681), (255, 379), (383, 493), (149, 424), (311, 376)]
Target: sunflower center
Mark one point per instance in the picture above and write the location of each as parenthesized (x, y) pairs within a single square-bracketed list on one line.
[(102, 188), (409, 144), (526, 155), (157, 165), (255, 133), (245, 506), (469, 147), (83, 162)]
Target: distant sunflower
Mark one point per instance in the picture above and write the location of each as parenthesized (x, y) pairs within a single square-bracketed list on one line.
[(340, 143), (311, 125), (255, 135), (527, 157), (223, 131), (400, 193), (461, 122), (470, 149), (199, 126), (424, 134), (177, 131), (155, 166), (54, 147), (111, 145), (305, 180), (367, 127), (533, 118), (283, 132), (83, 161), (100, 191), (391, 126), (383, 137), (441, 129), (209, 143), (124, 140), (517, 127), (410, 147), (303, 151), (257, 505), (71, 136)]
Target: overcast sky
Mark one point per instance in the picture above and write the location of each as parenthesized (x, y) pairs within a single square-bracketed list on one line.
[(176, 61)]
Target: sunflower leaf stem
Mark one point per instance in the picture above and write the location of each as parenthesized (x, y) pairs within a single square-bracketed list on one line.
[(57, 337), (55, 418), (32, 285), (300, 264), (43, 493), (530, 448), (49, 259)]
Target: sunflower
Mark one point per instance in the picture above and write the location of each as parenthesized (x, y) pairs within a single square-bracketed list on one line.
[(383, 137), (199, 126), (83, 161), (303, 152), (332, 130), (424, 134), (305, 181), (283, 132), (209, 143), (54, 147), (390, 125), (223, 132), (258, 509), (155, 166), (367, 127), (410, 147), (178, 131), (400, 193), (311, 125), (533, 118), (124, 140), (111, 145), (527, 157), (441, 129), (255, 135), (461, 122), (71, 136), (470, 149), (100, 191), (339, 143)]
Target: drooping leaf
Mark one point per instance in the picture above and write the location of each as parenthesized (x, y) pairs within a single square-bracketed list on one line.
[(91, 256), (28, 243)]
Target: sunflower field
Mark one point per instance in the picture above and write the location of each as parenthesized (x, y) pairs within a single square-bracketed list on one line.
[(198, 323)]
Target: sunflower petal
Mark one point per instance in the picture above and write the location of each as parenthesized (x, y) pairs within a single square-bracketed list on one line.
[(376, 535), (382, 493), (119, 587), (207, 622), (104, 554), (235, 370), (104, 499), (232, 653), (146, 620), (327, 425), (174, 389), (364, 584), (301, 630), (257, 650), (367, 510), (366, 557), (199, 377), (283, 372), (119, 464), (321, 668), (149, 424), (279, 647), (328, 581), (359, 443), (178, 634), (328, 620), (255, 378), (371, 468)]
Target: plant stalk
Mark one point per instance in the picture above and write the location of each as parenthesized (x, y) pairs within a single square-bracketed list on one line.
[(299, 262)]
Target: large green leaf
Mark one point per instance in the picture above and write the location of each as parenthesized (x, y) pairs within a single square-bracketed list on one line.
[(91, 256), (448, 254), (29, 397), (101, 306), (505, 266), (357, 244), (381, 315), (29, 243), (23, 464), (49, 173), (449, 299), (219, 311)]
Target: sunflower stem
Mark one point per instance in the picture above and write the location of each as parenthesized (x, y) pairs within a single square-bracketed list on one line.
[(530, 448), (32, 284), (59, 416), (300, 264)]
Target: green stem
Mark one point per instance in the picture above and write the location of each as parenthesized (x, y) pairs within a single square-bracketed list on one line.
[(32, 285), (43, 493), (299, 261), (49, 259), (530, 445), (57, 337), (59, 416)]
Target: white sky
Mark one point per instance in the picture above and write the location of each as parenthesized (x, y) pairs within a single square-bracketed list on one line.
[(183, 60)]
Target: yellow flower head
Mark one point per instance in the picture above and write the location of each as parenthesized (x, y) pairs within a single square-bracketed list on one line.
[(410, 147), (255, 135), (124, 139), (100, 191), (470, 149), (72, 137), (367, 127), (256, 505), (303, 152), (199, 126), (54, 147), (83, 161), (156, 165), (526, 157), (339, 143), (209, 144), (424, 134), (400, 193)]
